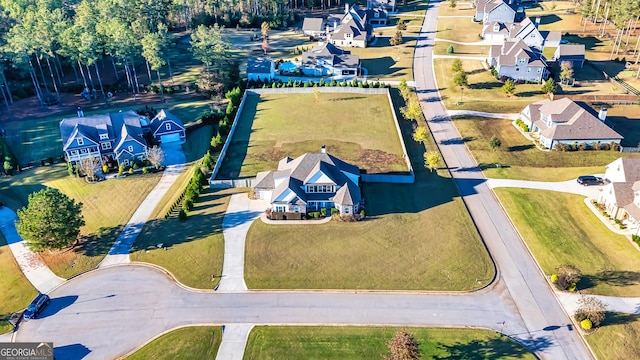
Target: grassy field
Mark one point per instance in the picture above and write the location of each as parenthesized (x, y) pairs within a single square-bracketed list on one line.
[(385, 62), (458, 29), (614, 339), (441, 47), (374, 256), (195, 248), (304, 342), (461, 9), (520, 159), (560, 229), (17, 291), (108, 206), (196, 342), (270, 129)]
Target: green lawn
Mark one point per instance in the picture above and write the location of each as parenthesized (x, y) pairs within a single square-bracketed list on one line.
[(305, 342), (197, 143), (613, 340), (458, 29), (385, 62), (441, 47), (271, 128), (520, 158), (461, 9), (191, 343), (195, 248), (560, 229), (17, 291)]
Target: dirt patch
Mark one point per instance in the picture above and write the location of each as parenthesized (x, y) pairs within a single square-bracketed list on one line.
[(378, 161)]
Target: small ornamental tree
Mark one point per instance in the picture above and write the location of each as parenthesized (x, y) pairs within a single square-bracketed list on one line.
[(450, 49), (452, 4), (566, 71), (592, 309), (568, 276), (51, 220), (461, 79), (404, 90), (401, 25), (456, 66), (89, 166), (413, 110), (420, 134), (432, 160), (403, 346), (494, 143), (155, 155), (509, 87), (549, 87), (396, 39)]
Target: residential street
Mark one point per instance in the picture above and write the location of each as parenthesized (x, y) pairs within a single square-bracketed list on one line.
[(525, 283)]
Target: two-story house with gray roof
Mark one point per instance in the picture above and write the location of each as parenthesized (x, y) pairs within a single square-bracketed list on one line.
[(353, 30), (496, 10), (311, 182), (621, 195), (565, 121), (526, 30), (517, 61), (108, 137), (328, 59)]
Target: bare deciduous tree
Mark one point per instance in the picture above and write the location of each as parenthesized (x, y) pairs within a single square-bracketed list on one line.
[(403, 346), (89, 167), (155, 155), (591, 308)]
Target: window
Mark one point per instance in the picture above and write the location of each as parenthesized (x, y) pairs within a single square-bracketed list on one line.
[(104, 136), (539, 70), (74, 152), (105, 145), (130, 148), (80, 141), (126, 162), (83, 151), (167, 126), (346, 210), (528, 69)]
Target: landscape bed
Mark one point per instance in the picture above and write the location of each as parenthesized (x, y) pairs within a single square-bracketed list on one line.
[(357, 128)]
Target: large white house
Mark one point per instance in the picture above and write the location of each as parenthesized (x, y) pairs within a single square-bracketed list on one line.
[(311, 182), (328, 59), (565, 121), (621, 195)]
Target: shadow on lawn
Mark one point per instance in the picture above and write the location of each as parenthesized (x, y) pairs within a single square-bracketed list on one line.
[(237, 151), (616, 318), (491, 349), (611, 278)]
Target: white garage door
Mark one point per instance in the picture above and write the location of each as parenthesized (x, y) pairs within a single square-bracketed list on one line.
[(265, 195), (170, 138)]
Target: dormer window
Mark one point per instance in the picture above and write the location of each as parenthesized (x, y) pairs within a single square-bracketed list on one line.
[(104, 136), (130, 148), (80, 141), (167, 126)]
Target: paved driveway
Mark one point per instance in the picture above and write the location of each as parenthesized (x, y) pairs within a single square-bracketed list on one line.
[(173, 154), (569, 186)]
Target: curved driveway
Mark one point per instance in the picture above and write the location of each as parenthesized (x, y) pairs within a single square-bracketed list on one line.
[(518, 271)]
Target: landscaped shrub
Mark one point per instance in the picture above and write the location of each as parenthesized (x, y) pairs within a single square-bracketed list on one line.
[(362, 212), (120, 170), (614, 146), (636, 239), (450, 49), (334, 211), (582, 146), (70, 169), (586, 324), (187, 204), (207, 161), (182, 215), (554, 278), (568, 277), (323, 212), (135, 166), (145, 170), (105, 169), (130, 171)]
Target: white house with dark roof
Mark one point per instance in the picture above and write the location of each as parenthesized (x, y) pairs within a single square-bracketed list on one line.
[(310, 182), (261, 68), (621, 195), (526, 30), (329, 60), (573, 53), (565, 121), (495, 10), (108, 137), (353, 30), (517, 61)]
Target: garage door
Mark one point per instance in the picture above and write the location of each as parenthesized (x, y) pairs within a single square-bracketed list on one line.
[(265, 195), (170, 138)]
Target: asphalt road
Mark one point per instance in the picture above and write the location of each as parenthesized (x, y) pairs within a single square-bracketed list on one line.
[(524, 281)]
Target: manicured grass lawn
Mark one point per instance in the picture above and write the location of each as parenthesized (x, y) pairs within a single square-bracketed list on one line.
[(196, 342), (17, 291), (197, 143), (356, 128), (385, 62), (306, 342), (519, 156), (614, 339), (416, 237), (108, 206), (195, 248), (560, 229), (461, 9), (459, 29), (474, 50)]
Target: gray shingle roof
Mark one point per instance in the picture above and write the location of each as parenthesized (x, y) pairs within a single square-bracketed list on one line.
[(90, 126), (571, 50), (312, 24), (163, 115), (259, 65), (507, 54), (333, 55)]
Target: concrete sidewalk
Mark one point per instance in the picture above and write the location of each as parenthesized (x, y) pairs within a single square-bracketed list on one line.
[(119, 253), (569, 186), (234, 341), (453, 113), (36, 271), (241, 212), (614, 304)]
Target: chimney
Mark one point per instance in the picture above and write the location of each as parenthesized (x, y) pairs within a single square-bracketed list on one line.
[(537, 23), (346, 9), (335, 27), (80, 112), (326, 31), (323, 149), (602, 115)]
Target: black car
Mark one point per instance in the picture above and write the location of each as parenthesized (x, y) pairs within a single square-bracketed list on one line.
[(36, 306), (589, 180)]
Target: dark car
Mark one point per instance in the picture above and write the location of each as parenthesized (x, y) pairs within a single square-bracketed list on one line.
[(589, 180), (36, 306)]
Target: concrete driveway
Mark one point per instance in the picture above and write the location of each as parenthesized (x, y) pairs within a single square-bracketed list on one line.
[(173, 154), (569, 186)]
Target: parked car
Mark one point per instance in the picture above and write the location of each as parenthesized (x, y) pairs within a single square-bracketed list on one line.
[(36, 306), (589, 180)]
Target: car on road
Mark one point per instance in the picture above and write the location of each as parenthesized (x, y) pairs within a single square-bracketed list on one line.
[(589, 180), (36, 306)]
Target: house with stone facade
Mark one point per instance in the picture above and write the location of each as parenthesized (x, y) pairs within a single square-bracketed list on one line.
[(311, 182)]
